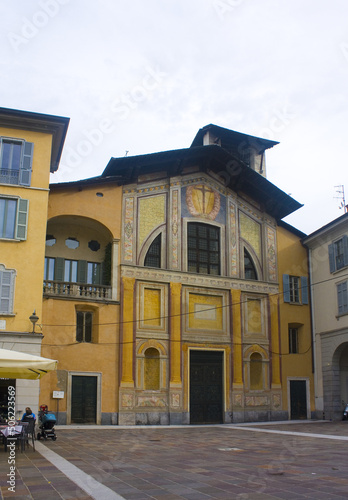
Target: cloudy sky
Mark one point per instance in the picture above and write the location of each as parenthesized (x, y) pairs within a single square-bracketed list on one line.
[(143, 76)]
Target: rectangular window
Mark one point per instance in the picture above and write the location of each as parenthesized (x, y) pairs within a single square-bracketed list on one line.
[(70, 271), (13, 218), (15, 161), (49, 268), (293, 341), (338, 254), (203, 248), (342, 298), (295, 289), (93, 273), (84, 326), (6, 290)]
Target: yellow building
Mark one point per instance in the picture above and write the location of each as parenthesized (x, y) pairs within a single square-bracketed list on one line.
[(81, 301), (163, 290), (30, 148), (295, 324)]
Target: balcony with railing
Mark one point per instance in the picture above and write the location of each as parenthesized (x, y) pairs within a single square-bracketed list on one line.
[(76, 290), (9, 176)]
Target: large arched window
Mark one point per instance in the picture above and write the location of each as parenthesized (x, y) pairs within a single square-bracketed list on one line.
[(249, 267), (203, 248), (152, 369), (153, 256)]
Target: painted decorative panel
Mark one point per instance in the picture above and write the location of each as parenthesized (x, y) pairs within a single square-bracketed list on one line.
[(205, 312), (254, 321), (175, 229), (233, 240), (151, 215), (250, 230), (271, 254), (128, 229), (152, 309)]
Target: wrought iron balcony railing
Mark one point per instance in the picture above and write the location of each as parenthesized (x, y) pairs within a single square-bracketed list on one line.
[(77, 290)]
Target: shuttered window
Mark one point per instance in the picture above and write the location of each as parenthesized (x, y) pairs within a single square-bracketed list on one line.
[(13, 218), (338, 254), (342, 298), (6, 290), (16, 157), (84, 326), (295, 289)]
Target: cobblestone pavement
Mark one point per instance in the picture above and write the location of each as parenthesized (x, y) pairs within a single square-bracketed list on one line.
[(255, 462)]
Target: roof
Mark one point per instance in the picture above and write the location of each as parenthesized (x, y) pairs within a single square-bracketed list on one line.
[(231, 140), (235, 174), (38, 122), (326, 227)]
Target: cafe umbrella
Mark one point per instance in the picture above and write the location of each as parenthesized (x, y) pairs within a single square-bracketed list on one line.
[(15, 364)]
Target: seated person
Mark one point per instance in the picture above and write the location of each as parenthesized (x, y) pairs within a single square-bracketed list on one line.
[(28, 415)]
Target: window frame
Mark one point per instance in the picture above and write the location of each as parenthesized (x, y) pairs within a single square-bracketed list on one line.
[(342, 298), (24, 164), (293, 334), (199, 263), (20, 223), (7, 280), (289, 291), (335, 257), (81, 338)]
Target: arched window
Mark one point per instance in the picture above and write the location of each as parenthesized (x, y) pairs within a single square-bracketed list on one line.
[(153, 256), (255, 371), (152, 370), (203, 248), (249, 267)]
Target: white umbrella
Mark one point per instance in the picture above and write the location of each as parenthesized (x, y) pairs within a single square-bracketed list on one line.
[(15, 364)]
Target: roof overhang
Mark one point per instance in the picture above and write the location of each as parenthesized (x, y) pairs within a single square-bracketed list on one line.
[(57, 126)]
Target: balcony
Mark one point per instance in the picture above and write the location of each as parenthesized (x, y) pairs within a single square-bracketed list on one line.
[(8, 176), (77, 290)]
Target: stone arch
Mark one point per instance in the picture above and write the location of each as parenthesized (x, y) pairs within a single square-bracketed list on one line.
[(335, 381)]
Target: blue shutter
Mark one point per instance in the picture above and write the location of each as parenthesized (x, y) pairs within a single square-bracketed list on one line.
[(286, 288), (342, 297), (22, 219), (332, 258), (26, 167), (304, 289), (345, 250)]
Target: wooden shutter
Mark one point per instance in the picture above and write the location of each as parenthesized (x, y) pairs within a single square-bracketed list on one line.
[(59, 269), (345, 250), (22, 219), (342, 297), (304, 289), (332, 258), (286, 288), (26, 167), (5, 291), (82, 271)]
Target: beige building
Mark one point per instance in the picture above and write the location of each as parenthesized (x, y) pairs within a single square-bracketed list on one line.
[(328, 256)]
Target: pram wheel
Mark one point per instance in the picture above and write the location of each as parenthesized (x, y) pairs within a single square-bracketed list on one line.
[(54, 438), (38, 436)]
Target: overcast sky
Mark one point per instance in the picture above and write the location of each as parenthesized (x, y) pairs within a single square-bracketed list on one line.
[(144, 76)]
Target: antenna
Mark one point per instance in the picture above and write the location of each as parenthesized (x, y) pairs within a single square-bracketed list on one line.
[(340, 193)]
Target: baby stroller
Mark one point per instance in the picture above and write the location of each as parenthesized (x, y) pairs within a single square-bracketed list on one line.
[(47, 420)]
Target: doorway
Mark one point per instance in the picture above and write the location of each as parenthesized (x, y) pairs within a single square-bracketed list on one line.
[(298, 399), (206, 393), (83, 399)]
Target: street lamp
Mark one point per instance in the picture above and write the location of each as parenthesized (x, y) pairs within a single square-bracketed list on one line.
[(34, 319)]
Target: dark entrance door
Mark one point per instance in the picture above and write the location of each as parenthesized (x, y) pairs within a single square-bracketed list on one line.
[(83, 399), (298, 399), (205, 387)]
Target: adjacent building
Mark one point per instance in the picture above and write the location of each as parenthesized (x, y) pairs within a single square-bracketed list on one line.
[(30, 148), (328, 250)]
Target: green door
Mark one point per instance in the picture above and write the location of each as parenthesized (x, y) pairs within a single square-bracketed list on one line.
[(84, 399)]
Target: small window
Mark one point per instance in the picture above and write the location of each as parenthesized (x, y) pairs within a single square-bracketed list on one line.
[(94, 245), (15, 161), (249, 268), (295, 289), (72, 243), (342, 298), (84, 326), (338, 254), (153, 256), (7, 278), (293, 341), (49, 268), (13, 218), (50, 240), (203, 248)]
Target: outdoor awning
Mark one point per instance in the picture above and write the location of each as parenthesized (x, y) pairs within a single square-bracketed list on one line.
[(15, 364)]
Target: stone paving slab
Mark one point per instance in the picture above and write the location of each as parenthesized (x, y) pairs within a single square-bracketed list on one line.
[(190, 462)]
